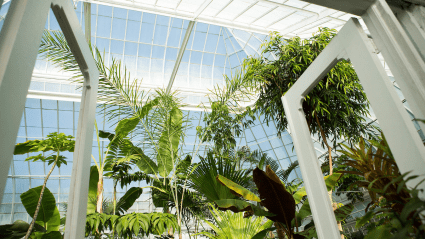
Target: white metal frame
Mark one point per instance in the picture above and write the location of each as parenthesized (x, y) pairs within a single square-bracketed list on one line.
[(352, 44), (399, 51), (19, 42)]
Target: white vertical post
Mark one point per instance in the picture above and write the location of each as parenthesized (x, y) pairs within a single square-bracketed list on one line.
[(19, 42), (78, 194), (318, 197), (400, 53), (351, 43)]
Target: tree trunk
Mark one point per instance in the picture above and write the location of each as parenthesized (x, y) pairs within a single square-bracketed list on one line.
[(115, 197), (279, 230), (39, 199), (99, 205)]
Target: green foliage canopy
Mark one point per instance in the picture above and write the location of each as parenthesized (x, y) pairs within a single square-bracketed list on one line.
[(336, 107)]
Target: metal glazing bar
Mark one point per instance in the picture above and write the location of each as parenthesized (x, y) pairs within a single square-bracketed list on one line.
[(180, 55), (19, 41)]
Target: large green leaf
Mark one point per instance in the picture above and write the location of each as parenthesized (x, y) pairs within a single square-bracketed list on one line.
[(331, 180), (48, 203), (274, 196), (343, 212), (234, 205), (304, 211), (129, 198), (55, 221), (239, 190), (26, 147), (94, 179), (380, 232), (146, 164), (168, 143), (262, 234), (125, 126), (298, 196), (52, 235)]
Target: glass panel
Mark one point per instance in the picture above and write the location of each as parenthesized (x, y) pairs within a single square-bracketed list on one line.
[(103, 26), (133, 29)]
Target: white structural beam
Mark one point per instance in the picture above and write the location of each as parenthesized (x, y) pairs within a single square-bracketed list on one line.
[(352, 44), (180, 55), (399, 52), (19, 42)]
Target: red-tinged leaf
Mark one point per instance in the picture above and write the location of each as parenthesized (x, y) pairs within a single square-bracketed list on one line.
[(275, 197)]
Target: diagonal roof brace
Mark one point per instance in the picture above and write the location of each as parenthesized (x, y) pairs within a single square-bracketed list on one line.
[(180, 55)]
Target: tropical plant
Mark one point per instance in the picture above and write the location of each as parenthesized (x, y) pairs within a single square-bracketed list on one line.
[(392, 223), (279, 202), (46, 221), (229, 225), (130, 225), (202, 180), (375, 163), (158, 118), (55, 143), (18, 229)]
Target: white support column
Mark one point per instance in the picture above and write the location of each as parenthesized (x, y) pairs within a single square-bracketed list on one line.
[(78, 194), (400, 53), (19, 41), (353, 44)]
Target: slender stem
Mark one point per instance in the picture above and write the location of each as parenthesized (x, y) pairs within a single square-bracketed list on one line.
[(327, 145), (40, 198)]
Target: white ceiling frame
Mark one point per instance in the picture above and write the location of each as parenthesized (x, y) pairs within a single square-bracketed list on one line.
[(202, 8), (216, 21), (280, 19), (308, 21), (264, 14), (244, 11), (178, 4), (230, 1)]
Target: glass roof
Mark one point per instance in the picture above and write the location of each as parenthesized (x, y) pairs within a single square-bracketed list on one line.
[(290, 17)]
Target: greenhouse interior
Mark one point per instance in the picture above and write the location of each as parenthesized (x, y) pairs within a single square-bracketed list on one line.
[(224, 119)]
